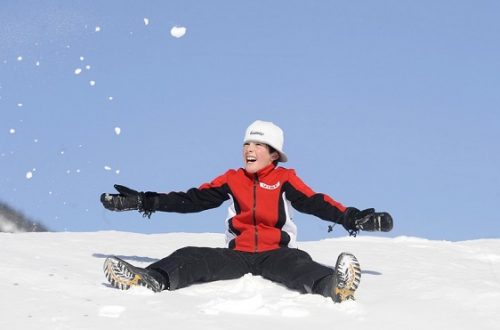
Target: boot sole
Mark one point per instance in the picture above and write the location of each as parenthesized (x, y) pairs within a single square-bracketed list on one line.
[(346, 278), (123, 275)]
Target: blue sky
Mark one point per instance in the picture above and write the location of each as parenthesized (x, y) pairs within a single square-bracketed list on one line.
[(386, 104)]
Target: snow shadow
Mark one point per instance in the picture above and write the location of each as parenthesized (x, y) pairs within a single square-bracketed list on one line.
[(370, 272), (126, 258)]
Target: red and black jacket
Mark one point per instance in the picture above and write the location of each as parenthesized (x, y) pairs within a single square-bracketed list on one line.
[(259, 217)]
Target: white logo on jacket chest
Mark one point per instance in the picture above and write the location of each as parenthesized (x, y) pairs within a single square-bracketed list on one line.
[(269, 187)]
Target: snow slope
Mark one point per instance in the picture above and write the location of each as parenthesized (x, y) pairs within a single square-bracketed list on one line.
[(55, 281)]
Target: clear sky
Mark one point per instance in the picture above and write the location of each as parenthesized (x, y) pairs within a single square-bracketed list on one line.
[(386, 104)]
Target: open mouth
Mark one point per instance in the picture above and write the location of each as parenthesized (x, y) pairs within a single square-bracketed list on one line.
[(251, 159)]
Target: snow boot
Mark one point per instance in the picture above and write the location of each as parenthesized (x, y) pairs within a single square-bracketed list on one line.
[(123, 275), (346, 278)]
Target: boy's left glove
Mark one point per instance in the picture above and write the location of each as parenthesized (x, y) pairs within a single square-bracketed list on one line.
[(366, 220), (128, 199)]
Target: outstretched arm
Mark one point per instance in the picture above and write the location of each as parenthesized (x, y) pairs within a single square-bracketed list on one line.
[(305, 200), (209, 195)]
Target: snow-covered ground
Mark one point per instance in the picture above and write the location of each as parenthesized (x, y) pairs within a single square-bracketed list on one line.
[(55, 281)]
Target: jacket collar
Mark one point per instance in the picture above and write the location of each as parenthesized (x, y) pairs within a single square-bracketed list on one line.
[(261, 173)]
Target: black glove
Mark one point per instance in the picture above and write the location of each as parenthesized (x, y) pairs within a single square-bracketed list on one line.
[(377, 221), (128, 199), (367, 220)]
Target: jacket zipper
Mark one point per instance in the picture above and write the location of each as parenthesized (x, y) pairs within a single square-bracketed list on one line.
[(256, 179)]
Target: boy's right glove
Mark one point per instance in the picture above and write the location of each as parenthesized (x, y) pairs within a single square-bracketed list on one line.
[(127, 199), (366, 220)]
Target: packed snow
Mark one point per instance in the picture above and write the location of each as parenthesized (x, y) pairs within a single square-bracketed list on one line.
[(55, 281)]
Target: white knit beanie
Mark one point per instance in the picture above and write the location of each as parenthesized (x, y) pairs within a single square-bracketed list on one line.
[(268, 133)]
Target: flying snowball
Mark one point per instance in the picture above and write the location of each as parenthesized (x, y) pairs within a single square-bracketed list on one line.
[(12, 131), (146, 21), (78, 71), (92, 83), (97, 29), (118, 130), (29, 175), (178, 31)]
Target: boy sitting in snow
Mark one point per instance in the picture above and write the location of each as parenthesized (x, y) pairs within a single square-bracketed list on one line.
[(260, 234)]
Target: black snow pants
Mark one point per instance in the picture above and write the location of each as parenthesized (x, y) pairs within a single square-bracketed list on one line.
[(293, 268)]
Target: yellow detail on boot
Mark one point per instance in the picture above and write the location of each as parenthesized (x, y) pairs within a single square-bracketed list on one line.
[(135, 280), (344, 294)]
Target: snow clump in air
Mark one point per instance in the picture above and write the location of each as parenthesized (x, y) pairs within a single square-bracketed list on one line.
[(178, 31)]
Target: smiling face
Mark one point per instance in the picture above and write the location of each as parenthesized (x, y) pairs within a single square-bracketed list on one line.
[(257, 155)]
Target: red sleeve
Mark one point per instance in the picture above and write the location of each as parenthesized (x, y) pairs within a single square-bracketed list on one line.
[(305, 200)]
